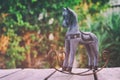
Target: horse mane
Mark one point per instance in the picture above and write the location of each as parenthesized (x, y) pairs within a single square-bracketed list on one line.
[(73, 19)]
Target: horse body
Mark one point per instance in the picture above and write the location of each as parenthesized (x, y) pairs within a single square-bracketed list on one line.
[(75, 37)]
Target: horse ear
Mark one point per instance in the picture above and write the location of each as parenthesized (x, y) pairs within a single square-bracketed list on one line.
[(68, 9), (64, 9)]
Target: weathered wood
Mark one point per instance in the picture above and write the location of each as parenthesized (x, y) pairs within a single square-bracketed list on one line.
[(105, 74), (62, 76), (7, 72), (109, 74), (41, 74), (29, 74)]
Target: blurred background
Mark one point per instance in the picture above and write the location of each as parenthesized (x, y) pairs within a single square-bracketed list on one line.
[(31, 32)]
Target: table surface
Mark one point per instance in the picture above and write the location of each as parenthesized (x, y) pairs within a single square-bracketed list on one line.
[(42, 74)]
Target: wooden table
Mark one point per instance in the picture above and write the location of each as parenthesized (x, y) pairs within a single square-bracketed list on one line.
[(41, 74)]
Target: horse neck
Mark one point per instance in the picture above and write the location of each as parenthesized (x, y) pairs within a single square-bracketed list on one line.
[(74, 27)]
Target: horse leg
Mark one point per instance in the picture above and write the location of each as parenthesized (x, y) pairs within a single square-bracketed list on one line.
[(96, 55), (90, 57), (73, 47), (67, 51)]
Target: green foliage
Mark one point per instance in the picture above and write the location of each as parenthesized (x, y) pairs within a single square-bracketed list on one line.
[(22, 16), (98, 27), (114, 38), (106, 28), (107, 31), (90, 14), (15, 52)]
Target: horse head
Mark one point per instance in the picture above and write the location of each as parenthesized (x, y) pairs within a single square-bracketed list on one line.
[(69, 17)]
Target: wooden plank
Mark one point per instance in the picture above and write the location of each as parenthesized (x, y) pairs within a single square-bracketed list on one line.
[(29, 74), (109, 74), (41, 74), (77, 77), (62, 76), (6, 72), (105, 74)]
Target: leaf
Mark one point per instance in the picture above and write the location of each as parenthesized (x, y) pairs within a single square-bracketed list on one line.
[(34, 1)]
